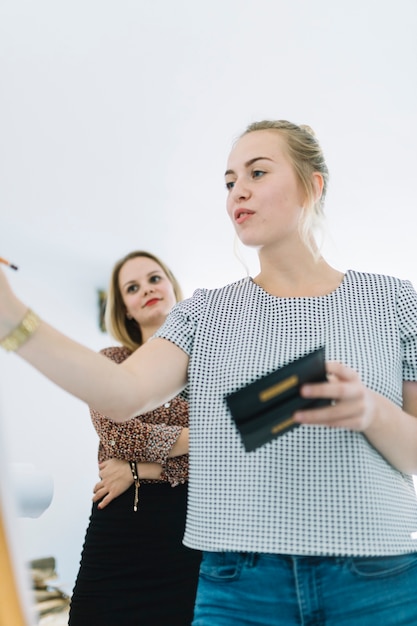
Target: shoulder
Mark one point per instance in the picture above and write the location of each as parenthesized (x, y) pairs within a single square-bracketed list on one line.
[(381, 289), (224, 293), (202, 298), (371, 278), (116, 353), (379, 282)]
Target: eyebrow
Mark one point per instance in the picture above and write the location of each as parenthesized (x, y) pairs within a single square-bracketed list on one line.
[(249, 163), (130, 282)]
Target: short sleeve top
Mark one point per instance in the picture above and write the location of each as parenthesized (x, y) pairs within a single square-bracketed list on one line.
[(314, 490)]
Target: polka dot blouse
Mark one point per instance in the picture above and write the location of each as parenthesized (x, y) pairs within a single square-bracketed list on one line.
[(314, 490)]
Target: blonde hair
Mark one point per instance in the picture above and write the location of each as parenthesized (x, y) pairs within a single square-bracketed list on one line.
[(127, 331), (306, 157)]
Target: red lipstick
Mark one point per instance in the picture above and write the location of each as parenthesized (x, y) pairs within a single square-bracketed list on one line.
[(152, 301)]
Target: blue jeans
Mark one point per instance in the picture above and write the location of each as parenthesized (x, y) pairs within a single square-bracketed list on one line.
[(245, 589)]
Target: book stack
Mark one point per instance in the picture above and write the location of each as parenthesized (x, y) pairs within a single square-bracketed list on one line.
[(49, 599)]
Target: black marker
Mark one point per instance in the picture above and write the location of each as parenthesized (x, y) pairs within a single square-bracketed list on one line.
[(14, 267)]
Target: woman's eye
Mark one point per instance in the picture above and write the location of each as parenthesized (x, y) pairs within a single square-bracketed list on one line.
[(257, 173), (132, 289), (155, 279), (230, 185)]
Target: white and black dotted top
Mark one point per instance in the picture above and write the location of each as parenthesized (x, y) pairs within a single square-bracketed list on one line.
[(314, 490)]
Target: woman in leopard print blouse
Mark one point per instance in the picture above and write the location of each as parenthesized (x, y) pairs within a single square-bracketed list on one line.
[(134, 568)]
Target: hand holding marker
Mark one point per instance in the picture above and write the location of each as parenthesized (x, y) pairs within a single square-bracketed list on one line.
[(5, 262)]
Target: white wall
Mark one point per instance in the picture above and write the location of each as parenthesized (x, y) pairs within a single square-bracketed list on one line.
[(52, 430)]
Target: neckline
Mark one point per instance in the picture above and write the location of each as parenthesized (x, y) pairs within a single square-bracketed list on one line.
[(326, 295)]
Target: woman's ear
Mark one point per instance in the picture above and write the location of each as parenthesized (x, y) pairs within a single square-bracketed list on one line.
[(318, 184)]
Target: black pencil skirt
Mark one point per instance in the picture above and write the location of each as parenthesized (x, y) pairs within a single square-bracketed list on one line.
[(134, 569)]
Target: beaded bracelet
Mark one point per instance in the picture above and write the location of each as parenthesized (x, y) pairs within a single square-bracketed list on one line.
[(21, 333), (134, 469)]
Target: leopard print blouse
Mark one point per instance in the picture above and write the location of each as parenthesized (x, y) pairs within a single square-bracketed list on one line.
[(148, 437)]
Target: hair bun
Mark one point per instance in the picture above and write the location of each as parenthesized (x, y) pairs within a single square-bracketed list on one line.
[(308, 129)]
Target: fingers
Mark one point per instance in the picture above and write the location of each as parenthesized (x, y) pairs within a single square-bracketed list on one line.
[(342, 414), (99, 491), (103, 496), (349, 400), (343, 383), (105, 501), (340, 370)]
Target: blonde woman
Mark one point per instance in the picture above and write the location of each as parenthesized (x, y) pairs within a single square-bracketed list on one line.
[(134, 568)]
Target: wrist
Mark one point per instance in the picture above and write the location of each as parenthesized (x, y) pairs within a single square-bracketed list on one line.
[(12, 317), (21, 331)]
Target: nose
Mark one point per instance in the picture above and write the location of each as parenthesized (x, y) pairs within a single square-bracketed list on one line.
[(148, 289), (240, 190)]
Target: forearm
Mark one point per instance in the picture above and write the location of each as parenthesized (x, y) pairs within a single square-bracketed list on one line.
[(120, 392), (145, 442), (149, 471), (83, 373), (393, 432), (181, 446)]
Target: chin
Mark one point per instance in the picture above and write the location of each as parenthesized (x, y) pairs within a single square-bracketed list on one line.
[(249, 242)]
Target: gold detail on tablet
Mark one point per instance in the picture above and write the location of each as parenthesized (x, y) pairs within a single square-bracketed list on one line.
[(282, 425), (276, 390)]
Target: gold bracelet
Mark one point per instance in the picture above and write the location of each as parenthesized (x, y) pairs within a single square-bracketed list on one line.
[(21, 333), (136, 481)]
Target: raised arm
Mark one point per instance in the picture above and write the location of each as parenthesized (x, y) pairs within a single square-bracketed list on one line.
[(151, 376)]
